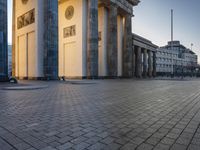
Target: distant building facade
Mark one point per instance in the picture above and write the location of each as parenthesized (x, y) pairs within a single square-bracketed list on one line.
[(184, 59), (9, 60)]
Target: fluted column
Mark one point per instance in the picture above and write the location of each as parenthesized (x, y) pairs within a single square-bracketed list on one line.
[(138, 63), (154, 64), (150, 63), (133, 61), (3, 41), (13, 40), (112, 41), (145, 63), (92, 39), (127, 52), (51, 39)]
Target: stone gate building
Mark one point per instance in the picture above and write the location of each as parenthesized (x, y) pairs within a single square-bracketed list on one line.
[(72, 39)]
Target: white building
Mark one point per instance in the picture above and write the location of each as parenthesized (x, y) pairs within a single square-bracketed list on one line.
[(184, 59)]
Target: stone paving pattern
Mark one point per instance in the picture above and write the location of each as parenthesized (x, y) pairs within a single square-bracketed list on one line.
[(105, 114)]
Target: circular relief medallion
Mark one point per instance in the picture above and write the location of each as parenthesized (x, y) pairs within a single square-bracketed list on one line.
[(24, 1), (69, 13)]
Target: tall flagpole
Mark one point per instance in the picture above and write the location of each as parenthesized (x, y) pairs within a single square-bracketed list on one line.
[(172, 67)]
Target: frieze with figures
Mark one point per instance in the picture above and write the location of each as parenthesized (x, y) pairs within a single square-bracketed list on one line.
[(26, 19), (69, 31)]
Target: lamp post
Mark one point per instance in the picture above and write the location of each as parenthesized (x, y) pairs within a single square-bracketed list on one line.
[(172, 67)]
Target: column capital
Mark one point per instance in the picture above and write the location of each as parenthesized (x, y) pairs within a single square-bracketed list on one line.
[(113, 4), (128, 15)]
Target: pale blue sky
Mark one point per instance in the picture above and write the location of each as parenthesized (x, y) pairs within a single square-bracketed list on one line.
[(152, 21), (9, 21)]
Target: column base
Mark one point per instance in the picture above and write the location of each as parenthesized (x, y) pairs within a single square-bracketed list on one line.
[(37, 78), (4, 79), (144, 75)]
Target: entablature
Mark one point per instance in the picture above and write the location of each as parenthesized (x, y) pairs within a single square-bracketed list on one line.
[(125, 5), (143, 43)]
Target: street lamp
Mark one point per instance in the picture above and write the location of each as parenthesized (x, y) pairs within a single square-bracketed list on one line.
[(172, 67)]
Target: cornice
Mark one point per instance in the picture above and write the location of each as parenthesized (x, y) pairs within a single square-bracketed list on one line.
[(134, 2)]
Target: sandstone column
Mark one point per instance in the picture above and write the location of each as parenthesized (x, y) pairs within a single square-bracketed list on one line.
[(13, 40), (150, 63), (127, 52), (92, 39), (145, 63), (112, 41), (138, 63), (133, 61), (154, 64), (3, 41), (51, 39)]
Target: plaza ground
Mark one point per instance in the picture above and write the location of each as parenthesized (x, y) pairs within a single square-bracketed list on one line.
[(101, 114)]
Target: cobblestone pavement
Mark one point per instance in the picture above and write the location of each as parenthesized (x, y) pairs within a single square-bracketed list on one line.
[(102, 114)]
